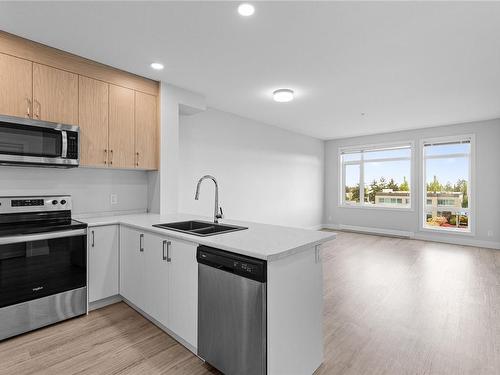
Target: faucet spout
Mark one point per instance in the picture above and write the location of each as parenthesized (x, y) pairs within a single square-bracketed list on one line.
[(217, 215)]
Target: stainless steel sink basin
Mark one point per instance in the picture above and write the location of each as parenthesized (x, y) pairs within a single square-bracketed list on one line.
[(200, 228)]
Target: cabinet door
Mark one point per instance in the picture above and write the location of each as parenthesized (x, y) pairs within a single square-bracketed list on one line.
[(183, 291), (146, 131), (55, 95), (156, 278), (103, 262), (121, 127), (16, 86), (132, 266), (93, 121)]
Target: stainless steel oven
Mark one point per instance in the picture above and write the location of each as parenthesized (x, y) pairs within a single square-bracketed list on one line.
[(43, 263), (25, 141)]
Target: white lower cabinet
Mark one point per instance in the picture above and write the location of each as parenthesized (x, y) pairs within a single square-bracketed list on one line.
[(132, 265), (156, 278), (183, 291), (160, 276), (103, 262)]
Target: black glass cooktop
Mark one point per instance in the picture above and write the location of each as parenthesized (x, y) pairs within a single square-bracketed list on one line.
[(29, 223)]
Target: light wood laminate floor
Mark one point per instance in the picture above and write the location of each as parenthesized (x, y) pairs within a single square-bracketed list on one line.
[(392, 306)]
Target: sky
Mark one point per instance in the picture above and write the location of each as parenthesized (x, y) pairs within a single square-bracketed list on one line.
[(449, 169)]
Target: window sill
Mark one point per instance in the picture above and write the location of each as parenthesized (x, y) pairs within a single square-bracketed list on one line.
[(382, 208), (452, 231)]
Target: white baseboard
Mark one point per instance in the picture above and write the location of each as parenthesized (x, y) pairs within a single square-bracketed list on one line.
[(416, 236), (316, 227), (104, 302), (458, 241), (370, 230)]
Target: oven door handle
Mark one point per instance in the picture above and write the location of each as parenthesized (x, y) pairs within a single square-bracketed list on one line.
[(41, 236)]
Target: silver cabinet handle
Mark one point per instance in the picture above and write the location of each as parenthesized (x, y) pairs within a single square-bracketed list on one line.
[(164, 254), (28, 109), (169, 244), (105, 156), (93, 239), (317, 254), (141, 242), (38, 106)]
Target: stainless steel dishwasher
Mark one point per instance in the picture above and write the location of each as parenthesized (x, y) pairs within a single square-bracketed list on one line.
[(232, 307)]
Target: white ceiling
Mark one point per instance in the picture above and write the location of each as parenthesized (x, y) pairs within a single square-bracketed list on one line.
[(405, 64)]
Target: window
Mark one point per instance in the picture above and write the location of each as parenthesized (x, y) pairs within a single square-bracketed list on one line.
[(447, 184), (383, 172), (446, 202)]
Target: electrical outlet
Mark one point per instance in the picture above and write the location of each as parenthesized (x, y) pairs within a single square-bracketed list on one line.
[(490, 233), (114, 198), (329, 218)]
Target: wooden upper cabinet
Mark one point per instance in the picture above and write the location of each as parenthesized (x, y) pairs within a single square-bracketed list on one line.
[(117, 111), (16, 86), (146, 131), (55, 95), (121, 127), (93, 120)]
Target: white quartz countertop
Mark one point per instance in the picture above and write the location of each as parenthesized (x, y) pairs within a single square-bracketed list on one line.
[(263, 241)]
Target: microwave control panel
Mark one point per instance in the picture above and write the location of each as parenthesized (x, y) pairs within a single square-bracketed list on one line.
[(72, 145)]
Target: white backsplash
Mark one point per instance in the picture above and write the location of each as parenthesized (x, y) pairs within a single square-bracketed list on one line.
[(90, 188)]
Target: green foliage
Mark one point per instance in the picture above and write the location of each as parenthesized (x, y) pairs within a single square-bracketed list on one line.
[(404, 185), (464, 220), (374, 188), (459, 187), (353, 192), (448, 187), (392, 185), (435, 186)]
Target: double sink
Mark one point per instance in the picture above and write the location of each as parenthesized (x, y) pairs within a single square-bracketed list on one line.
[(200, 228)]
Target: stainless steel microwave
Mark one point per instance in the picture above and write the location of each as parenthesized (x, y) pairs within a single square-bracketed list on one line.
[(25, 141)]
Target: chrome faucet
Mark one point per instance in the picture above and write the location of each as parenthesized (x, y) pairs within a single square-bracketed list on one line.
[(217, 215)]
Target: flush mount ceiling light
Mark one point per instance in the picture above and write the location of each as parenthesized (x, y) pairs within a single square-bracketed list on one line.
[(283, 95), (157, 66), (246, 9)]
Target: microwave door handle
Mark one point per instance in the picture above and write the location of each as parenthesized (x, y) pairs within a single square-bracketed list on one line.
[(64, 136)]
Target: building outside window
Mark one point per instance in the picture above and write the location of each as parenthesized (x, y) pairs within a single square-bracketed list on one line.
[(447, 166), (382, 171)]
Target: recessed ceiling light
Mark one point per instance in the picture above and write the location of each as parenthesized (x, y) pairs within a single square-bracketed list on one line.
[(283, 95), (246, 9), (157, 66)]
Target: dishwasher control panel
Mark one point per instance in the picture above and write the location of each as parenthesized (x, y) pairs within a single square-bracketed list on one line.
[(251, 268)]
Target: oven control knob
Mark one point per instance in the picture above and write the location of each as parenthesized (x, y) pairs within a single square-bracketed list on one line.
[(54, 202), (63, 202)]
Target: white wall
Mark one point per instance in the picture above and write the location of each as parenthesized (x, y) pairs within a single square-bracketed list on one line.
[(265, 174), (90, 188), (174, 101), (487, 183), (163, 185)]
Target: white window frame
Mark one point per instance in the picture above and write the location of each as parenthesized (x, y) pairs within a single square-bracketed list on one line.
[(471, 188), (371, 147)]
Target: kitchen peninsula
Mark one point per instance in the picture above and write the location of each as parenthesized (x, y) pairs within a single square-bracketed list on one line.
[(158, 276)]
